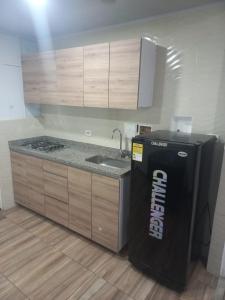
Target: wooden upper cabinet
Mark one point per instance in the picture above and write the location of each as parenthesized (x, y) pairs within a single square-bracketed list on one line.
[(96, 75), (132, 72), (39, 78), (70, 72), (124, 74), (31, 67), (48, 79), (119, 74)]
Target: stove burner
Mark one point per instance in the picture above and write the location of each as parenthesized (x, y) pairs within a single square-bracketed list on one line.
[(44, 146)]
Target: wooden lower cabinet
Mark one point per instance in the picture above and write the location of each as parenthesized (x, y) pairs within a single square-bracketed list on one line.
[(21, 194), (29, 198), (56, 210), (19, 168), (105, 223), (105, 211), (28, 181), (79, 183), (36, 201), (93, 205)]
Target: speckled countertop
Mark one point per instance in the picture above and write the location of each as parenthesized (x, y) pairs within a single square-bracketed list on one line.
[(73, 154)]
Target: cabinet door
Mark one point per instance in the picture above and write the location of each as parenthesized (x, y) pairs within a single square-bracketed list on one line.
[(36, 201), (56, 210), (105, 211), (48, 80), (56, 187), (80, 201), (19, 168), (28, 181), (124, 74), (31, 67), (70, 76), (96, 75), (21, 193), (19, 176)]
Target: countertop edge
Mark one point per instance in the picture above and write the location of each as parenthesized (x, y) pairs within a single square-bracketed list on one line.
[(13, 148)]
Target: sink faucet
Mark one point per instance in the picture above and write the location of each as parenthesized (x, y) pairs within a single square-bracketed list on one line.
[(121, 139)]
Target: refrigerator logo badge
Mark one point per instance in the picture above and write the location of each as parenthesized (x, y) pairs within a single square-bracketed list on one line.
[(158, 198), (159, 144), (182, 154)]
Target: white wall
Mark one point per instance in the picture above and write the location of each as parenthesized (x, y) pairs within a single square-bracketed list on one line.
[(11, 84), (16, 121), (12, 130), (195, 88)]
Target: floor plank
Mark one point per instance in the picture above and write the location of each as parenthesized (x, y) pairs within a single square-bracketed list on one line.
[(135, 284), (8, 291), (104, 292), (19, 215), (113, 268), (32, 275), (64, 282), (87, 253), (42, 260)]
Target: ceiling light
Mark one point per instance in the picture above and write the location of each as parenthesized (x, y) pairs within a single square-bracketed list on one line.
[(37, 2)]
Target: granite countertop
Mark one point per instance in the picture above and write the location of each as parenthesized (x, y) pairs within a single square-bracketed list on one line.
[(73, 154)]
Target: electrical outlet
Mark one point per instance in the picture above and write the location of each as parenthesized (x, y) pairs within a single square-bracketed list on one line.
[(88, 132)]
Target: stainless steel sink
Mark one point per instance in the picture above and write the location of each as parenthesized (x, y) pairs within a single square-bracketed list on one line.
[(109, 162)]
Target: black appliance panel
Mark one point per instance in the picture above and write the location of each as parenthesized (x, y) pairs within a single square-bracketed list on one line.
[(167, 258)]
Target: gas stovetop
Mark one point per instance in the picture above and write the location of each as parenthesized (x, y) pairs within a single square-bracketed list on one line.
[(44, 146)]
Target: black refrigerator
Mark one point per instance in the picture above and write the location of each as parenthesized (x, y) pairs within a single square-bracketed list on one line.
[(169, 211)]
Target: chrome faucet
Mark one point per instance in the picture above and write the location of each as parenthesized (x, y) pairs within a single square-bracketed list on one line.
[(121, 139)]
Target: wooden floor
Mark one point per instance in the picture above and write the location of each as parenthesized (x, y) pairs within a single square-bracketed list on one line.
[(41, 260)]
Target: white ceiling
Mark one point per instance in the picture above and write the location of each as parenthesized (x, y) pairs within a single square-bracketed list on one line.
[(71, 16)]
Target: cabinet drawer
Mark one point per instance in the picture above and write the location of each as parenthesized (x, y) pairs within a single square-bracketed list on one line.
[(106, 188), (35, 174), (55, 168), (105, 223), (56, 210), (36, 201), (56, 186)]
